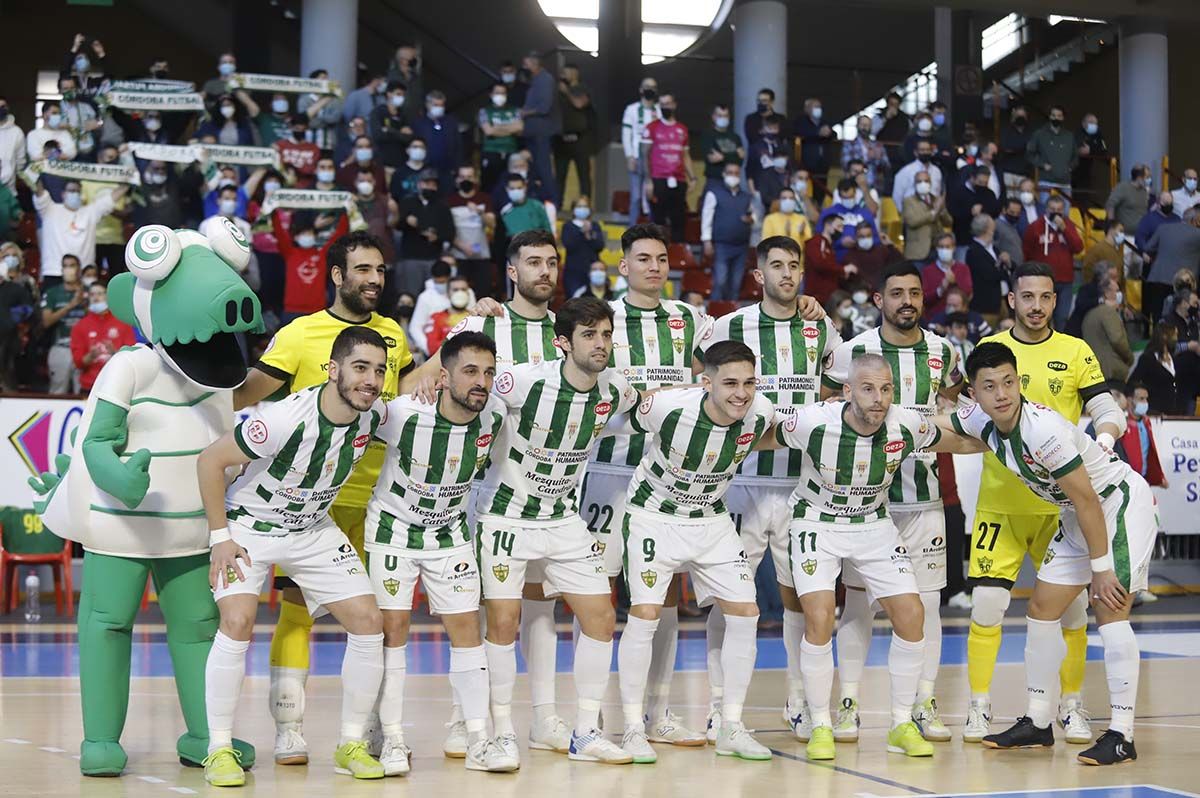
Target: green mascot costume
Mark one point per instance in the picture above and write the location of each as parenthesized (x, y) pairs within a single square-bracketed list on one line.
[(128, 492)]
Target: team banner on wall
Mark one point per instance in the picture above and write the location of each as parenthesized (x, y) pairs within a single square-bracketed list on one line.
[(307, 200), (283, 83), (75, 170)]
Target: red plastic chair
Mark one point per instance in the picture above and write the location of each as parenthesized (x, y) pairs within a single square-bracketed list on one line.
[(620, 202), (680, 257), (720, 307), (698, 280), (750, 287), (60, 565), (691, 228)]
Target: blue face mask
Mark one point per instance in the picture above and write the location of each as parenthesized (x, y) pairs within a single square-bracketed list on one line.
[(582, 212), (598, 278), (939, 119), (226, 68)]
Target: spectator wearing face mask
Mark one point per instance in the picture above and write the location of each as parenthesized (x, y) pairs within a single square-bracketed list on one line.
[(956, 304), (521, 212), (300, 155), (441, 323), (789, 220), (69, 227), (958, 333), (1090, 294), (306, 268), (406, 177), (584, 240), (890, 126), (839, 309), (867, 196), (229, 125), (343, 149), (217, 86), (80, 116), (1031, 208), (474, 219), (969, 199), (1183, 199), (989, 268), (922, 131), (634, 120), (1174, 247), (764, 108), (670, 168), (500, 122), (726, 217), (63, 305), (1108, 250), (905, 183), (943, 273), (542, 122), (720, 146), (361, 158), (379, 213), (366, 98), (1161, 214), (1054, 239), (10, 212), (1008, 238), (434, 298), (12, 147), (439, 130), (227, 208), (1014, 140), (769, 161), (1137, 447), (1129, 200), (150, 129), (869, 152), (405, 304), (406, 67), (53, 129), (428, 227), (1092, 150), (226, 177), (158, 201), (816, 144), (849, 209), (324, 114), (924, 214), (97, 337), (390, 127), (1051, 150), (823, 272), (110, 230), (597, 285), (872, 252), (1104, 331), (16, 307), (83, 60), (863, 313), (801, 184)]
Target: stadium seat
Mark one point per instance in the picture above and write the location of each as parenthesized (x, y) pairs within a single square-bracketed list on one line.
[(34, 545), (680, 257), (750, 289), (691, 229), (620, 202), (698, 280), (720, 307)]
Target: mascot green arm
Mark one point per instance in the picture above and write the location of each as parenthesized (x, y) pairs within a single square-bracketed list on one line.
[(128, 480), (45, 485)]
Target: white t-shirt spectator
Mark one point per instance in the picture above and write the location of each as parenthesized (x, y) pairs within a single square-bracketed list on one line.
[(12, 152), (68, 232), (35, 143)]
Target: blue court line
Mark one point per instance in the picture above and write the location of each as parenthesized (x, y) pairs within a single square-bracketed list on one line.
[(849, 772), (1115, 791)]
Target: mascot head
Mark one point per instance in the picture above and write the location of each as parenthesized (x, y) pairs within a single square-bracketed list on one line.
[(184, 293)]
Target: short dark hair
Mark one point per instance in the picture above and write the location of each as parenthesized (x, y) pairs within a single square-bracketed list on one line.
[(351, 337), (1031, 268), (958, 318), (396, 84), (786, 243), (528, 238), (453, 346), (901, 268), (769, 92), (1134, 385), (989, 355), (724, 352), (440, 269), (640, 232), (582, 311), (846, 184), (316, 72), (338, 252), (1057, 107)]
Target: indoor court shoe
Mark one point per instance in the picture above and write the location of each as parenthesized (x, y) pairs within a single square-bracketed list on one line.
[(395, 757), (925, 715), (795, 715), (290, 748), (714, 724), (221, 769), (1074, 720), (734, 740), (820, 744), (670, 729), (373, 735), (1023, 734), (352, 759), (845, 725), (906, 739), (1111, 749), (194, 750), (101, 758), (592, 747), (491, 756), (455, 745), (637, 745), (552, 734), (979, 721)]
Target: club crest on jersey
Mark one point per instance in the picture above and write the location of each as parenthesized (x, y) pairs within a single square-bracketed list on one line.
[(908, 381), (392, 586), (935, 383), (678, 344), (572, 428), (328, 467), (1056, 385), (504, 383), (809, 567), (650, 578), (985, 565), (453, 463), (1024, 381), (812, 354), (1049, 556), (500, 572), (710, 458), (535, 358)]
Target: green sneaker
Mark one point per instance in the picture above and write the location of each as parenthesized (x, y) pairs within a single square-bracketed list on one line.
[(352, 759), (906, 739), (222, 768), (820, 744), (846, 723)]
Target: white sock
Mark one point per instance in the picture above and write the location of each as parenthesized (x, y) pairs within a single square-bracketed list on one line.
[(539, 647), (1121, 663), (1044, 653), (391, 705), (593, 660), (714, 637), (816, 666), (933, 644), (469, 678), (662, 663), (793, 633), (904, 664), (502, 676), (854, 641), (223, 675), (633, 666), (737, 660), (362, 673), (286, 696)]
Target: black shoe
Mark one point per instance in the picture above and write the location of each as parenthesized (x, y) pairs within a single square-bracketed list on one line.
[(1111, 749), (1023, 734)]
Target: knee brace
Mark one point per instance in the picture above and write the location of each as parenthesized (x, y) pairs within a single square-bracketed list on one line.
[(1075, 616), (988, 605)]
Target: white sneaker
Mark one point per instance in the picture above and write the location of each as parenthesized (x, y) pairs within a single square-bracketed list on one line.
[(798, 719), (636, 744), (395, 757), (592, 747), (290, 748), (552, 734), (845, 725), (960, 601), (508, 744), (1074, 720), (1145, 597), (929, 721), (979, 721), (734, 740), (373, 736), (714, 724), (455, 745), (491, 756), (670, 729)]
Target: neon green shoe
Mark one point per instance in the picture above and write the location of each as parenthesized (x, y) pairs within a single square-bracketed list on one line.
[(820, 744), (222, 768), (906, 739), (352, 759)]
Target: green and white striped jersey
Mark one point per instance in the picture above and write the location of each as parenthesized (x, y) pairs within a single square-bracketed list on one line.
[(845, 476), (918, 373), (691, 459), (420, 501), (299, 462), (546, 439), (651, 348), (1043, 447), (518, 339), (791, 354)]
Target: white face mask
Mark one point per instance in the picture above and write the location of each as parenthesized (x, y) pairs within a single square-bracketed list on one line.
[(228, 207), (1189, 183), (416, 154), (787, 205), (365, 188), (98, 307), (860, 297), (866, 243), (924, 125), (226, 68), (325, 175), (272, 185), (363, 154), (846, 311), (1118, 239), (1141, 408), (227, 111), (279, 106), (437, 111), (440, 288), (72, 199), (598, 278), (945, 254), (923, 188), (733, 181), (153, 124), (396, 100), (499, 100), (800, 187), (721, 122), (306, 240), (516, 195), (508, 77), (1026, 197), (11, 262), (459, 299), (817, 113)]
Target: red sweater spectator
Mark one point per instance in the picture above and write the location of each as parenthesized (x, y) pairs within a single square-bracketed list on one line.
[(1056, 247), (304, 280), (439, 327), (94, 340), (1132, 441), (301, 156), (933, 282), (668, 149), (822, 272)]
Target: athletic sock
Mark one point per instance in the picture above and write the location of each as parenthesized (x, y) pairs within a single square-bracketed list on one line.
[(816, 665), (289, 643), (502, 676), (286, 696), (905, 659), (793, 633), (714, 637), (469, 678), (1044, 652), (983, 646), (539, 647), (362, 673), (933, 644), (1074, 664), (223, 675), (737, 660), (662, 664), (854, 641), (593, 659), (391, 703), (633, 667), (1121, 663)]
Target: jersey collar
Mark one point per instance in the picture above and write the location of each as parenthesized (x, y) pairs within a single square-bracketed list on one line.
[(370, 318), (1012, 334)]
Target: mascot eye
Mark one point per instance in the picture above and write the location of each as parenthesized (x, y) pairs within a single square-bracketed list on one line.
[(230, 245), (153, 252)]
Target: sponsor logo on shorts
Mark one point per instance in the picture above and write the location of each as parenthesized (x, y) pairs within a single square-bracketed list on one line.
[(1056, 365), (809, 567), (361, 441), (462, 567), (256, 432), (392, 586), (500, 572), (602, 546), (650, 578)]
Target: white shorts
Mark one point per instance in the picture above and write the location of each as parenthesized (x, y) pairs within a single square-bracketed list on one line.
[(1131, 516), (874, 549), (923, 533), (450, 580), (320, 560), (763, 516), (658, 547), (602, 505), (568, 559)]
